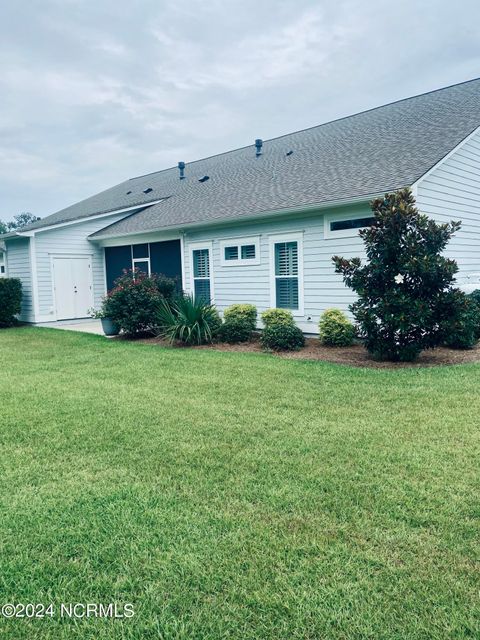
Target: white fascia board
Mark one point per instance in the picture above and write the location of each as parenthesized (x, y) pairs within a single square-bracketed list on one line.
[(274, 213), (137, 238), (58, 225), (414, 186)]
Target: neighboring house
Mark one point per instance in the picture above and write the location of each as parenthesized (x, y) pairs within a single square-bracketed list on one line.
[(260, 224), (2, 260)]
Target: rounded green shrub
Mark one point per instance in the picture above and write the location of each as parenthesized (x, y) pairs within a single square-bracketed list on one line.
[(242, 312), (277, 316), (282, 337), (133, 302), (335, 329), (10, 300), (461, 330), (235, 329)]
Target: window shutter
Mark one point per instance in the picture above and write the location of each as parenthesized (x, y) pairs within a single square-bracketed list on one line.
[(248, 252), (286, 259), (287, 293), (202, 290), (231, 253), (201, 267)]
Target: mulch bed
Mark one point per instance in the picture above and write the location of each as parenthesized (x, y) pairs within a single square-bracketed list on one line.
[(355, 356)]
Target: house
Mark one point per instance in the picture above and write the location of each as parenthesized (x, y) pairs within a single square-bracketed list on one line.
[(2, 260), (260, 224)]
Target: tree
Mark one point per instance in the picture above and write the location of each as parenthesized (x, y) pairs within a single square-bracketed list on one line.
[(405, 292), (3, 227), (21, 220)]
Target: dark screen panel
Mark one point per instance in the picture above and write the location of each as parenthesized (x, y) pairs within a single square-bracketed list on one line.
[(116, 260), (165, 258)]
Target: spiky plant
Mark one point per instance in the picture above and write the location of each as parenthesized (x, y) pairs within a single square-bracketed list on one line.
[(187, 319)]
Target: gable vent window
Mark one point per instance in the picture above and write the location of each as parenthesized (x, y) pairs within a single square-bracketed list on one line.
[(201, 274), (244, 251), (354, 223), (346, 227)]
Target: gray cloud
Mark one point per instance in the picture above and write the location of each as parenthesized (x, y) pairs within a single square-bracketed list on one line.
[(96, 92)]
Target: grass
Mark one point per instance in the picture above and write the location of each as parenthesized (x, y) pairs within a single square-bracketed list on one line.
[(237, 496)]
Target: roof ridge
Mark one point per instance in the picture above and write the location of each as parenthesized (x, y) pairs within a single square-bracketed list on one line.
[(316, 126)]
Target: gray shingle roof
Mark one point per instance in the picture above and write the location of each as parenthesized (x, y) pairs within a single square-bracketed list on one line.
[(375, 151)]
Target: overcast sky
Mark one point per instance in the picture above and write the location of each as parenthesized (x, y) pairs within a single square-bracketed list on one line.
[(94, 92)]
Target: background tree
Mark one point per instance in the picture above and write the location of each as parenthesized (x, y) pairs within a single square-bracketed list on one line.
[(21, 220), (405, 292), (3, 227)]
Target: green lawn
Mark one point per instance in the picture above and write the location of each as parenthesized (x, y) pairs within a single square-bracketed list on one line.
[(236, 496)]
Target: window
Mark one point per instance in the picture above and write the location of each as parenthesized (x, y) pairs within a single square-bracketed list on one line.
[(201, 273), (287, 273), (355, 223), (231, 253), (141, 258), (241, 251), (2, 269), (338, 226)]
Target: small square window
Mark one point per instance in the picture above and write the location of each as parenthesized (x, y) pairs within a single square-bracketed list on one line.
[(2, 269), (248, 252), (231, 253)]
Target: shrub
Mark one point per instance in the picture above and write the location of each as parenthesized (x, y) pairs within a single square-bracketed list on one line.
[(277, 316), (187, 319), (246, 312), (475, 298), (282, 337), (405, 289), (236, 329), (133, 302), (461, 331), (335, 329), (10, 301)]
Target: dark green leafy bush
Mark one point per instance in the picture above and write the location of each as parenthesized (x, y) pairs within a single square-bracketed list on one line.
[(236, 329), (10, 301), (245, 312), (277, 316), (187, 319), (462, 330), (475, 298), (282, 337), (133, 302), (405, 292), (335, 329)]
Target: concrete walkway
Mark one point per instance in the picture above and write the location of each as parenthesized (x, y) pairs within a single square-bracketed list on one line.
[(87, 325)]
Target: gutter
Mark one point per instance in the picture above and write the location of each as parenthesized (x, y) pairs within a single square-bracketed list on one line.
[(275, 213)]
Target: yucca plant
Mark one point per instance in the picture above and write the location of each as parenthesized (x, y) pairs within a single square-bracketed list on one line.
[(187, 319)]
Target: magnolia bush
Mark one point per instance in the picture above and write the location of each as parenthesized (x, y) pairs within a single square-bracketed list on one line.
[(405, 289)]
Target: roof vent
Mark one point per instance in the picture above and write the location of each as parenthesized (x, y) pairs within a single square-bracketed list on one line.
[(289, 153), (128, 193), (181, 167), (204, 179), (258, 147), (147, 190)]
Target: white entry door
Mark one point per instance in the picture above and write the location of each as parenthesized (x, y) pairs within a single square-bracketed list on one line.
[(72, 279)]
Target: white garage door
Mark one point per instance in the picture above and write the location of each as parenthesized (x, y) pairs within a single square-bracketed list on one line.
[(72, 279)]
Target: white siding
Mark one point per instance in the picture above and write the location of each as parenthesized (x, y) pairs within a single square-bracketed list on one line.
[(18, 266), (322, 287), (69, 240), (452, 192)]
